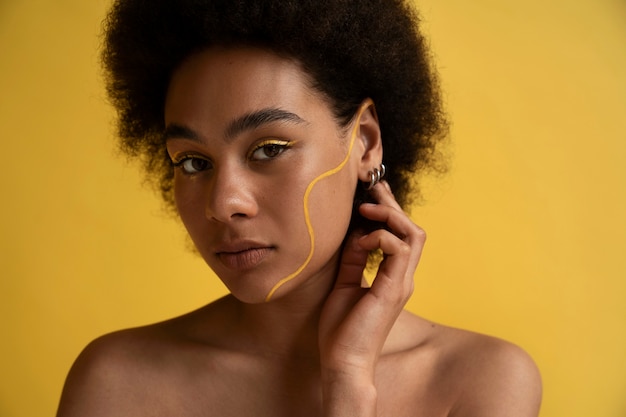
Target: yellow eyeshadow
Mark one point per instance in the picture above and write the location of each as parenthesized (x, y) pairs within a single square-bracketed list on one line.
[(273, 142), (266, 142)]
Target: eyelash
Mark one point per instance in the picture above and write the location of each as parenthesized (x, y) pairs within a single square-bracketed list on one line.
[(180, 163), (279, 145)]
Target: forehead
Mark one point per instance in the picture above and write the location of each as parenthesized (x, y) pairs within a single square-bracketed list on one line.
[(220, 83)]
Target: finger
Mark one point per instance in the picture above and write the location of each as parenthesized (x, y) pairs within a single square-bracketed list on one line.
[(394, 278), (388, 242), (399, 223), (382, 193), (353, 262)]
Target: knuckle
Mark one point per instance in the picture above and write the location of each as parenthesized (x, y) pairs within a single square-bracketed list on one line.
[(395, 297), (420, 234), (404, 248)]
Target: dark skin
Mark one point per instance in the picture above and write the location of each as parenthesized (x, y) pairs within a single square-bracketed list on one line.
[(322, 345)]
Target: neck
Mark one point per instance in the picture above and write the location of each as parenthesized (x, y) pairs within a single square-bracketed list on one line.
[(287, 326)]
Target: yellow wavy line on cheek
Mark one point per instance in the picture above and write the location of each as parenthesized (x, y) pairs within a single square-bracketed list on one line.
[(305, 203)]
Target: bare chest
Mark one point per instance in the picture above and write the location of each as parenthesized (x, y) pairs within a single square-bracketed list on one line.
[(245, 389)]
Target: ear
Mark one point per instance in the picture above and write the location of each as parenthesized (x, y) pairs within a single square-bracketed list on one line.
[(368, 135)]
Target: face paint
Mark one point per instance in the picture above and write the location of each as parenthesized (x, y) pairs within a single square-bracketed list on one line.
[(305, 204)]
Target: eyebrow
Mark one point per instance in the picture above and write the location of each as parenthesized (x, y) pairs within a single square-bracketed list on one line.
[(239, 125), (176, 131), (259, 118)]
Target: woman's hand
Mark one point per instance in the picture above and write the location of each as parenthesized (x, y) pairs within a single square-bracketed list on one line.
[(356, 321)]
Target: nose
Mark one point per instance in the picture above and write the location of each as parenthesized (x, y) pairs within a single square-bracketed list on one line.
[(231, 196)]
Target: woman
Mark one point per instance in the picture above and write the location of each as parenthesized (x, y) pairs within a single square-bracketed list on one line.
[(264, 124)]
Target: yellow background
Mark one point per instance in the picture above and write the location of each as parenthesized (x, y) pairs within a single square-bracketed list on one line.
[(527, 234)]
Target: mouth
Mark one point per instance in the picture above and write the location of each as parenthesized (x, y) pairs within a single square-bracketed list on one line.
[(244, 256)]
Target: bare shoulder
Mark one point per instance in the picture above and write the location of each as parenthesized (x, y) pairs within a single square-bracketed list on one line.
[(499, 377), (484, 375), (137, 371), (105, 375)]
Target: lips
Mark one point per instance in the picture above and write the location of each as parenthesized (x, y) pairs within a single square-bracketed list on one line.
[(243, 255)]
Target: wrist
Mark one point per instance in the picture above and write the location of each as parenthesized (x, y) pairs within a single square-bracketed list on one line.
[(347, 395)]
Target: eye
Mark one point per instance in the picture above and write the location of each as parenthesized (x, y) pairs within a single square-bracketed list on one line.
[(192, 164), (269, 149)]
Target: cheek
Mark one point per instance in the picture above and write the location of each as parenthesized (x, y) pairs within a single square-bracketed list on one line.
[(330, 206), (331, 199), (326, 207), (190, 208)]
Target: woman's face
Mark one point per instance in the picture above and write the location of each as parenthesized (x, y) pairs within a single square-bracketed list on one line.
[(248, 136)]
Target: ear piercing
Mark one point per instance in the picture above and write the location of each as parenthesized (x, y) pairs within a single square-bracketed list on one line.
[(375, 176)]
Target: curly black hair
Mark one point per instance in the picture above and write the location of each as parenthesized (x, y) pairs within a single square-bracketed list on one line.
[(352, 50)]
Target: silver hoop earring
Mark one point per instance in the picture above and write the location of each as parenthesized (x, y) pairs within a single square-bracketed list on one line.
[(375, 176)]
